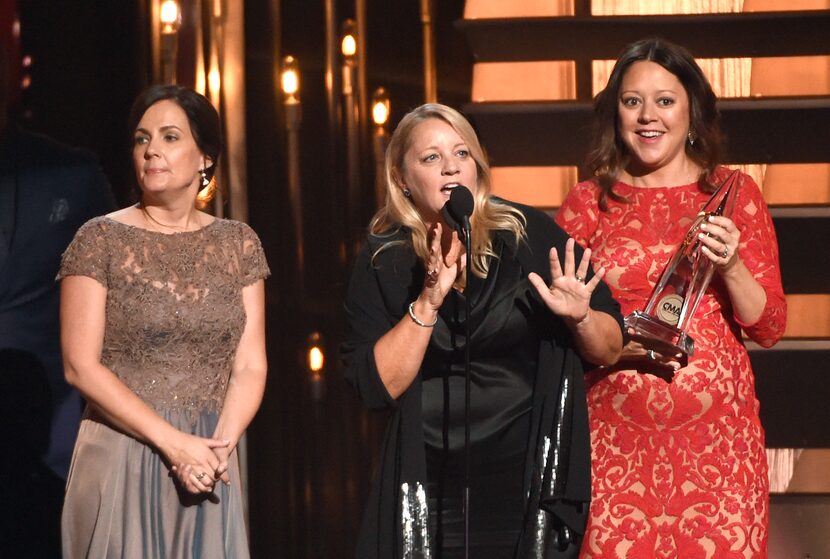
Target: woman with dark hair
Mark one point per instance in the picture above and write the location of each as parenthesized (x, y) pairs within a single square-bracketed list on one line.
[(162, 331), (533, 320), (679, 468)]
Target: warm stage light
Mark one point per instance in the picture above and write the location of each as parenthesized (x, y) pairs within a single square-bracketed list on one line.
[(290, 76), (348, 44), (316, 356), (380, 107), (169, 16)]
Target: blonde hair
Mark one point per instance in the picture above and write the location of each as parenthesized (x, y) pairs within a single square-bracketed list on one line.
[(399, 211)]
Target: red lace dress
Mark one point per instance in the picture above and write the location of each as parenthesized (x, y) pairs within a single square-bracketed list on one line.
[(679, 469)]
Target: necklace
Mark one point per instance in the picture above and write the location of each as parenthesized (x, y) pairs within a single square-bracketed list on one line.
[(151, 219)]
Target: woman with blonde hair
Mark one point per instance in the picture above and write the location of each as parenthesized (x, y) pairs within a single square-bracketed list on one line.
[(533, 321)]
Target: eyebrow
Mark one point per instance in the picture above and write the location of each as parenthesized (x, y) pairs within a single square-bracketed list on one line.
[(163, 128), (436, 147), (672, 91)]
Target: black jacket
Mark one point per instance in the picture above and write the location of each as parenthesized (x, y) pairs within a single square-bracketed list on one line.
[(379, 293)]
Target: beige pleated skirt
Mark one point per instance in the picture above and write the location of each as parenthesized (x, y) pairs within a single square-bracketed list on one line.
[(122, 502)]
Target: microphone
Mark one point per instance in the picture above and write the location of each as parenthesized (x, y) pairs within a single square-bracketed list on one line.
[(458, 209)]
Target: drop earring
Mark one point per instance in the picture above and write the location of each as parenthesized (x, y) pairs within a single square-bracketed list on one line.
[(692, 137), (205, 180), (407, 193)]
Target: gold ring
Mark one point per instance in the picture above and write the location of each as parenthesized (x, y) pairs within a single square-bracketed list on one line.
[(725, 252), (579, 278), (200, 476)]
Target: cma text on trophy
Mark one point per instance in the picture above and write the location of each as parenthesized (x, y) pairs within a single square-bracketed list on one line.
[(663, 325)]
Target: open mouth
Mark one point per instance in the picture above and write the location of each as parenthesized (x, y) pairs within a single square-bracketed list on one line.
[(447, 188), (649, 133)]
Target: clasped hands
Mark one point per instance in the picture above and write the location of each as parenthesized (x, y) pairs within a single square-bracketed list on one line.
[(199, 462)]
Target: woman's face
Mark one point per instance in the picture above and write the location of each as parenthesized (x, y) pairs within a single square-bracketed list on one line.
[(165, 154), (653, 113), (436, 161)]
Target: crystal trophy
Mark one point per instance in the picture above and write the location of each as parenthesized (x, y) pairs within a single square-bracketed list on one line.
[(663, 325)]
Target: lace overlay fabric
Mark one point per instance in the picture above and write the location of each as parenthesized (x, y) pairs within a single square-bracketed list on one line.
[(679, 469), (174, 312)]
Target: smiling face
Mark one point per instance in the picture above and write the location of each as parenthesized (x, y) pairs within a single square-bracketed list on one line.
[(436, 161), (165, 154), (653, 118)]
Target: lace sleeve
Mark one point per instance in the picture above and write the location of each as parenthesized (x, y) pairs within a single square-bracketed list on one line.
[(87, 254), (254, 264), (759, 251), (579, 213)]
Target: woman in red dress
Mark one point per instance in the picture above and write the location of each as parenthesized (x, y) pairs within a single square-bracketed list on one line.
[(679, 469)]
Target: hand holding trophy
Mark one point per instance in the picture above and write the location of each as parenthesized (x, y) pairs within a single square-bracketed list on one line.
[(662, 326)]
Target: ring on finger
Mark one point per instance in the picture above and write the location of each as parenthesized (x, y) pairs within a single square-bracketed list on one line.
[(200, 475), (725, 252), (579, 278), (651, 355)]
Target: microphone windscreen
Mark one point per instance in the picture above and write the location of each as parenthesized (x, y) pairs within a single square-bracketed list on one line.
[(461, 203)]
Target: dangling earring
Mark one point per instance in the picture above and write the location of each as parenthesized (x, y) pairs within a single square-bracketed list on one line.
[(407, 193), (205, 180), (692, 137)]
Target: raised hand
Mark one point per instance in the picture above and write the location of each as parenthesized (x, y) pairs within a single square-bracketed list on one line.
[(568, 295), (444, 266)]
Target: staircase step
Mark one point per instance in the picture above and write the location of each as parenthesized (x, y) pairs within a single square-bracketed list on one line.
[(791, 385), (805, 263), (745, 34), (558, 132)]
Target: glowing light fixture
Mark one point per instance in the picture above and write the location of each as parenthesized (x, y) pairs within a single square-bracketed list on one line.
[(348, 42), (380, 107), (170, 16), (290, 77)]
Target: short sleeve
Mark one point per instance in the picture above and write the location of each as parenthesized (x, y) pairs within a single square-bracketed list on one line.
[(88, 254), (579, 213), (254, 266)]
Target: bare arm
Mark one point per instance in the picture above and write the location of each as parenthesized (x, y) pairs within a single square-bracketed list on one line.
[(400, 352), (247, 381), (83, 304)]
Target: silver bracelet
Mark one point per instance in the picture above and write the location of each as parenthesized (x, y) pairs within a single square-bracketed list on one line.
[(417, 321)]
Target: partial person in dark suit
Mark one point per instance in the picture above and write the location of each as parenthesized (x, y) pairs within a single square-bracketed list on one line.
[(47, 191), (30, 492)]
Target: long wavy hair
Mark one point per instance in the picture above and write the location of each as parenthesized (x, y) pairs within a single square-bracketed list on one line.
[(609, 156), (400, 212)]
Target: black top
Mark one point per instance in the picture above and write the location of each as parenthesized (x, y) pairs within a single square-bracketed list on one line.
[(524, 369)]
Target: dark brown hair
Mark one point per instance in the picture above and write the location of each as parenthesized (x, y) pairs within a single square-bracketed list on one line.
[(202, 117), (608, 155)]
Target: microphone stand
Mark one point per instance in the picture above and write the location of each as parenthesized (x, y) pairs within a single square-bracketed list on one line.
[(467, 375)]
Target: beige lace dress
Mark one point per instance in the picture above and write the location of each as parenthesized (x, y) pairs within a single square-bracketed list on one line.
[(174, 317)]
